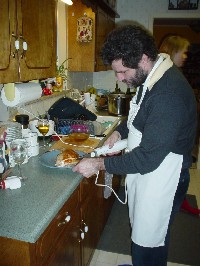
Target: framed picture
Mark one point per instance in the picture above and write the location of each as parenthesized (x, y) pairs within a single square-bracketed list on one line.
[(84, 29), (183, 4)]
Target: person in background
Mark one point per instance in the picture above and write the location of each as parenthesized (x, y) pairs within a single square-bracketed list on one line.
[(160, 133), (177, 47)]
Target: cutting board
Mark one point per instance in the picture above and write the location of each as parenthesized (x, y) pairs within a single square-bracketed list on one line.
[(86, 146)]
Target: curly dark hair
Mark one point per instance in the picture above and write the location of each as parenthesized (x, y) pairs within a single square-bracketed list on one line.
[(129, 43)]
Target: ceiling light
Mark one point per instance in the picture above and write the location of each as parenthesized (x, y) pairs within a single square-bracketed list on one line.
[(68, 2)]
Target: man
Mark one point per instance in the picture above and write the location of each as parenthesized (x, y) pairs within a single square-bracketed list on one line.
[(160, 132)]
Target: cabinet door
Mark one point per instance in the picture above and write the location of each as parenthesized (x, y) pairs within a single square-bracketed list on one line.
[(8, 29), (67, 251), (91, 221), (105, 24), (53, 244), (81, 54), (37, 28)]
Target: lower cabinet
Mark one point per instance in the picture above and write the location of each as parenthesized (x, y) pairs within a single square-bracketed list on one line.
[(91, 208), (67, 251), (72, 236), (60, 242)]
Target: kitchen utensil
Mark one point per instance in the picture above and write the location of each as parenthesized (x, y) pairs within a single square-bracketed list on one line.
[(118, 146), (119, 103)]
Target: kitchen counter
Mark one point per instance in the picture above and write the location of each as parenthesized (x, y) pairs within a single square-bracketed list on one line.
[(27, 211)]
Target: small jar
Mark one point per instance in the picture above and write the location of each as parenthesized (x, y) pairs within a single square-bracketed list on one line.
[(23, 120)]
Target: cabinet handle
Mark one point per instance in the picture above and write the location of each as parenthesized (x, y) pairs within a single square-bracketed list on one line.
[(67, 219), (16, 45), (82, 234), (85, 227), (24, 45)]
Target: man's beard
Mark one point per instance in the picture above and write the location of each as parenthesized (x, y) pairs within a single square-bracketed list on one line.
[(139, 79)]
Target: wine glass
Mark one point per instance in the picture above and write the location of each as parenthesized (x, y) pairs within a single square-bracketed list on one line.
[(18, 151), (43, 127)]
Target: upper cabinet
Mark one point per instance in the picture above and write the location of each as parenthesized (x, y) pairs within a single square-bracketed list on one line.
[(86, 55), (27, 40)]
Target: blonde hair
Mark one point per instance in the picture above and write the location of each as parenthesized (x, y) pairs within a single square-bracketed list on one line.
[(173, 44)]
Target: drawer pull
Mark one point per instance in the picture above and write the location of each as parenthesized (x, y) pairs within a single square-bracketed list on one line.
[(82, 234), (67, 220), (85, 227)]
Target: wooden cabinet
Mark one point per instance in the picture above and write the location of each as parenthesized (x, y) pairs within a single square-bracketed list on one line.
[(61, 240), (81, 54), (73, 234), (104, 25), (85, 56), (27, 40), (90, 196)]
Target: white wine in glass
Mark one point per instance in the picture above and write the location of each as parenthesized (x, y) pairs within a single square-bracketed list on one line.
[(18, 150), (43, 128)]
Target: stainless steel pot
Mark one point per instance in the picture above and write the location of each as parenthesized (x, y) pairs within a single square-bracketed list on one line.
[(119, 103)]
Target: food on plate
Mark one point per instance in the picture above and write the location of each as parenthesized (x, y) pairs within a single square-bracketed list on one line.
[(67, 157)]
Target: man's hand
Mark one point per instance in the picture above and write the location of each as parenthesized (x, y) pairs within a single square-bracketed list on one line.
[(114, 137), (88, 167)]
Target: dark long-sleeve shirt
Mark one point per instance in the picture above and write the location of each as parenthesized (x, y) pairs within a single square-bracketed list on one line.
[(167, 121)]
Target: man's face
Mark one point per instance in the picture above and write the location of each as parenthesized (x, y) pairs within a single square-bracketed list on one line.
[(132, 77)]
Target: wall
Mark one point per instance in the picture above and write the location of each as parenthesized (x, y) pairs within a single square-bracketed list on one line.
[(143, 12)]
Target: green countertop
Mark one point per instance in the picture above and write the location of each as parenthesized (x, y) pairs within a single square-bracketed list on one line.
[(27, 211)]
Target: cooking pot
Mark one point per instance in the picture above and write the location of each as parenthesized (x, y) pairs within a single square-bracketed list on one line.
[(119, 103)]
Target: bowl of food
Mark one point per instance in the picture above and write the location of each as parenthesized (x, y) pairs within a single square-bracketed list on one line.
[(79, 132)]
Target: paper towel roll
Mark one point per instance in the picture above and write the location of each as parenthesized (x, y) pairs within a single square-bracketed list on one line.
[(23, 93)]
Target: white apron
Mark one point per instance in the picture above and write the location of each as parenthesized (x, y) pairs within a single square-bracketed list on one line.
[(150, 196)]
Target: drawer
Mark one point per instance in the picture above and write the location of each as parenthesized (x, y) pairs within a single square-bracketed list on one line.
[(62, 221)]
